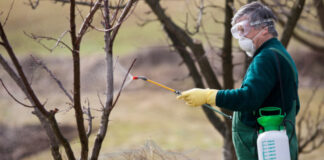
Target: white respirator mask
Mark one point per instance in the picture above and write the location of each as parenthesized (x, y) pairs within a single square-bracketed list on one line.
[(239, 31)]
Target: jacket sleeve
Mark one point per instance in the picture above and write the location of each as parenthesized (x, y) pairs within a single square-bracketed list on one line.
[(257, 85)]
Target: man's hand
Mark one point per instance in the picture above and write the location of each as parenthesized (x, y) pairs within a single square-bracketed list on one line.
[(197, 97)]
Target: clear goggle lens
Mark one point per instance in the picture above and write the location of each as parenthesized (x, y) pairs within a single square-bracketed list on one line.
[(240, 29)]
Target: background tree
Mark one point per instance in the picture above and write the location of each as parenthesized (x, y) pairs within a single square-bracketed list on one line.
[(186, 45), (112, 21)]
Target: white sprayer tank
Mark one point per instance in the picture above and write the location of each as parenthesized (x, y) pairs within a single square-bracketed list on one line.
[(273, 145)]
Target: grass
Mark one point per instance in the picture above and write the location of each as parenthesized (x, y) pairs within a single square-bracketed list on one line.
[(171, 124), (136, 120), (51, 19)]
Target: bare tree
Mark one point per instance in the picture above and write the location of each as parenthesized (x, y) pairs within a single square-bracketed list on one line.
[(183, 41), (310, 126), (112, 23), (293, 20), (184, 44)]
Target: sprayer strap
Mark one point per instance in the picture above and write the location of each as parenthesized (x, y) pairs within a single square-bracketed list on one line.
[(279, 73), (288, 60)]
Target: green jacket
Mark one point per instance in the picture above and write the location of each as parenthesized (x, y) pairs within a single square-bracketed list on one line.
[(261, 88)]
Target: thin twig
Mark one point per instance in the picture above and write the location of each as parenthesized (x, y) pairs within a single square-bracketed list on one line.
[(200, 14), (13, 97), (128, 10), (34, 6), (116, 61), (59, 40), (39, 38), (58, 82), (102, 106), (80, 12), (114, 17), (309, 102), (85, 25), (82, 3), (7, 17), (310, 31), (122, 86), (144, 21)]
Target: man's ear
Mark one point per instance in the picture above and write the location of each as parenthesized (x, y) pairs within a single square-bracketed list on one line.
[(265, 31)]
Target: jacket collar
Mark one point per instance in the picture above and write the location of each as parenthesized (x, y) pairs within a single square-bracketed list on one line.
[(266, 44)]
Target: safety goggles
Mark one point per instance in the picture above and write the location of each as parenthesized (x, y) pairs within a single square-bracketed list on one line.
[(241, 29)]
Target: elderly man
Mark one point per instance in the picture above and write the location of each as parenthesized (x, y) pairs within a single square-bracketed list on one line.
[(271, 80)]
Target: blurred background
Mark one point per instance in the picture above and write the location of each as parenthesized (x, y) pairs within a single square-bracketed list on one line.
[(146, 117)]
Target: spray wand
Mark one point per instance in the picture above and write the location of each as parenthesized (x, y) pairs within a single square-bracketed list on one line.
[(177, 92)]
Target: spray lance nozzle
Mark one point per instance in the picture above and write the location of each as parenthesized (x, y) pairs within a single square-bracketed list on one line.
[(140, 77), (177, 92)]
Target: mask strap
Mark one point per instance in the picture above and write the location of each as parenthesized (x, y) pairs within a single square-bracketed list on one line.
[(257, 34)]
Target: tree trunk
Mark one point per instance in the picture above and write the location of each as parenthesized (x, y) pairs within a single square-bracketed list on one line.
[(292, 21), (228, 80), (319, 4), (182, 41)]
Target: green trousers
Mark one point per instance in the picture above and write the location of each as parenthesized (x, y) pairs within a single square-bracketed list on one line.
[(245, 137)]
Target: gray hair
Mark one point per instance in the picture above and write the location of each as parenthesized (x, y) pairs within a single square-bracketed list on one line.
[(259, 16)]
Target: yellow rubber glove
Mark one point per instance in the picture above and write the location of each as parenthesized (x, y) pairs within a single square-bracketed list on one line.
[(197, 97)]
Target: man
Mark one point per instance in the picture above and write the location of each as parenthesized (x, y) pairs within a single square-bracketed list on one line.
[(271, 80)]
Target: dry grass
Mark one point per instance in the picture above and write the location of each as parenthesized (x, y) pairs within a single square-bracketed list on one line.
[(143, 113), (149, 151)]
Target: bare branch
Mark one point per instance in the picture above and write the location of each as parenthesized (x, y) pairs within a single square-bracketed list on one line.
[(84, 3), (34, 5), (23, 83), (292, 21), (143, 21), (208, 40), (38, 39), (102, 106), (215, 7), (296, 35), (319, 4), (308, 43), (20, 71), (7, 17), (59, 40), (114, 17), (124, 15), (13, 97), (87, 21), (44, 122), (87, 111), (310, 32), (200, 14), (80, 12), (216, 21), (58, 82), (314, 127), (122, 86), (309, 102)]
